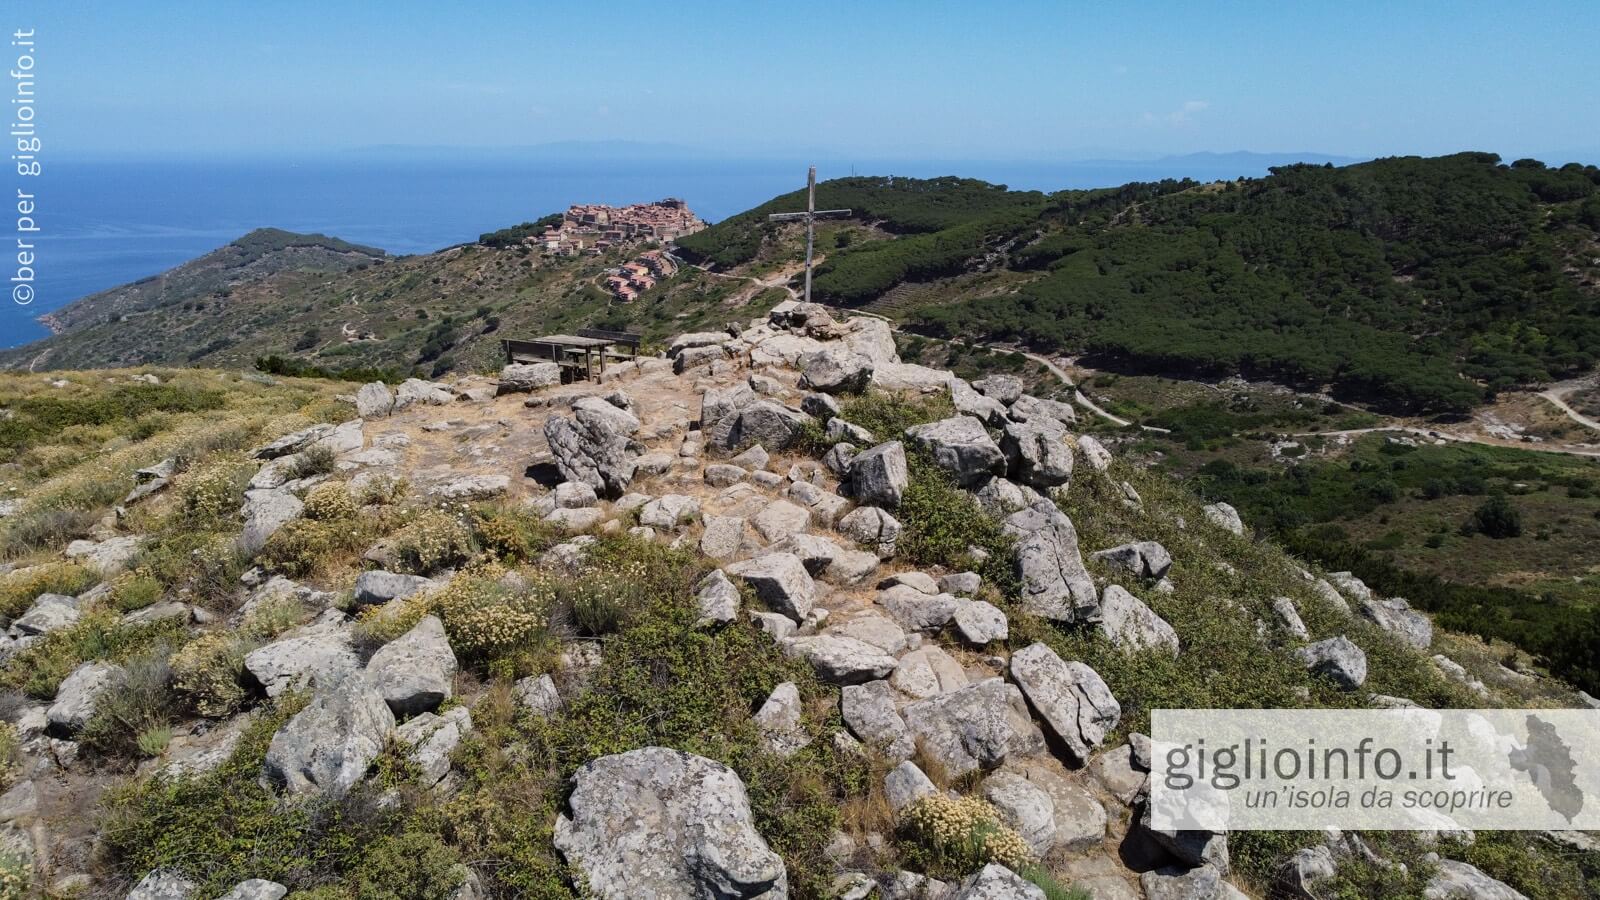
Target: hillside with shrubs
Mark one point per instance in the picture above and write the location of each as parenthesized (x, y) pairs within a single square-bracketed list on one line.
[(771, 614)]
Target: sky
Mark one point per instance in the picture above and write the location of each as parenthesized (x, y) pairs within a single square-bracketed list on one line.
[(1023, 80)]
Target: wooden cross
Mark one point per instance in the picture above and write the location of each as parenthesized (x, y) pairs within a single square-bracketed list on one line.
[(810, 215)]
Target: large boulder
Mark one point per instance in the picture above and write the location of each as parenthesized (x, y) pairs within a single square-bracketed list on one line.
[(872, 528), (975, 727), (1037, 454), (322, 658), (781, 581), (594, 446), (717, 404), (1055, 585), (1130, 624), (48, 612), (374, 400), (835, 370), (520, 378), (1398, 618), (961, 445), (869, 712), (969, 402), (765, 422), (427, 393), (838, 659), (1224, 516), (1338, 658), (1029, 408), (878, 476), (328, 746), (666, 824), (1004, 388), (78, 694), (1463, 881), (416, 671), (265, 512), (1071, 698)]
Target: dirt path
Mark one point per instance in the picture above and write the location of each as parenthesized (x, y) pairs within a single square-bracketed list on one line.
[(1556, 395)]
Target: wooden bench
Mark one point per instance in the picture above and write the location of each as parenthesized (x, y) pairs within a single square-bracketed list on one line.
[(577, 355), (617, 339)]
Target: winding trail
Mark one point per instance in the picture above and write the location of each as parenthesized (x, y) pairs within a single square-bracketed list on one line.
[(1556, 395)]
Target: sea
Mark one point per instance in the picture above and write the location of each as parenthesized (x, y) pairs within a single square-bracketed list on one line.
[(104, 223)]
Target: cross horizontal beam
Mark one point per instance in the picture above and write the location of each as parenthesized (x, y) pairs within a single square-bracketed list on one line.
[(821, 213)]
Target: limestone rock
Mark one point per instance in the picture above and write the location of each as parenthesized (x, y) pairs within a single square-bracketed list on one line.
[(1338, 658), (377, 586), (48, 612), (416, 671), (872, 528), (374, 400), (1463, 881), (329, 745), (1144, 559), (961, 445), (841, 660), (520, 378), (320, 658), (1224, 516), (781, 582), (928, 672), (662, 823), (869, 712), (764, 422), (916, 611), (835, 370), (779, 721), (996, 882), (1071, 698), (981, 622), (978, 726), (878, 476), (905, 784), (1025, 807), (1398, 618), (1129, 623), (1037, 454), (1055, 584), (432, 738), (76, 697), (718, 599)]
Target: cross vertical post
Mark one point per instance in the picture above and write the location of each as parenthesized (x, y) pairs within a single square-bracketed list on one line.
[(810, 216)]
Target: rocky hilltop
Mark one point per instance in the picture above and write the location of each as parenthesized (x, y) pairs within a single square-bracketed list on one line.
[(775, 614)]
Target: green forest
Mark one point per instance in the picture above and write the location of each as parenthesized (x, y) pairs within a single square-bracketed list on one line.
[(1416, 285)]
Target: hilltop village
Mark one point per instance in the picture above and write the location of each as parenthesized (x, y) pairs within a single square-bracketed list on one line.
[(593, 229)]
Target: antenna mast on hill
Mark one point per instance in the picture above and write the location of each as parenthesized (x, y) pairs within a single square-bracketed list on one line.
[(810, 215)]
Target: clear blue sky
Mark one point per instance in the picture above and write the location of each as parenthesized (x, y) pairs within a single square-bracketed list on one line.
[(888, 79)]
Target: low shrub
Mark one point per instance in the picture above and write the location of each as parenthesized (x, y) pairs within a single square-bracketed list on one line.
[(488, 616), (412, 865), (209, 495), (951, 837), (19, 589), (134, 590), (311, 462), (307, 547), (941, 521), (208, 674), (330, 502), (129, 717), (434, 540), (513, 534), (99, 635), (382, 490), (16, 877)]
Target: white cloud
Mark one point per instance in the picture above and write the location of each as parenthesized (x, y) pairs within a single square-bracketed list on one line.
[(1187, 111)]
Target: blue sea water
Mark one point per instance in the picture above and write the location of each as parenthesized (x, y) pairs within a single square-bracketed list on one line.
[(105, 224)]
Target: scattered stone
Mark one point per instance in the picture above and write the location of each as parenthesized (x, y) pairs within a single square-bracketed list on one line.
[(1037, 454), (996, 882), (329, 745), (916, 611), (1460, 675), (1094, 453), (1398, 618), (981, 622), (697, 840), (108, 557), (669, 512), (1196, 848), (1005, 388), (163, 885), (928, 672), (1037, 410), (905, 784), (963, 584), (969, 402), (1071, 698), (776, 625), (920, 581), (76, 697), (1055, 584), (979, 726), (723, 474), (1290, 617), (1000, 497), (415, 390), (1025, 807), (780, 581), (1338, 658), (962, 446), (764, 422), (265, 512), (869, 712), (374, 400), (723, 538), (718, 599), (320, 658), (521, 378), (816, 552), (416, 671), (839, 457), (48, 612), (1180, 883), (879, 476), (538, 695), (593, 445), (835, 370), (872, 528), (755, 458), (779, 721), (377, 586), (1307, 867), (1130, 624), (1145, 559), (432, 738), (1224, 516), (841, 660), (780, 519), (1351, 586), (575, 519)]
